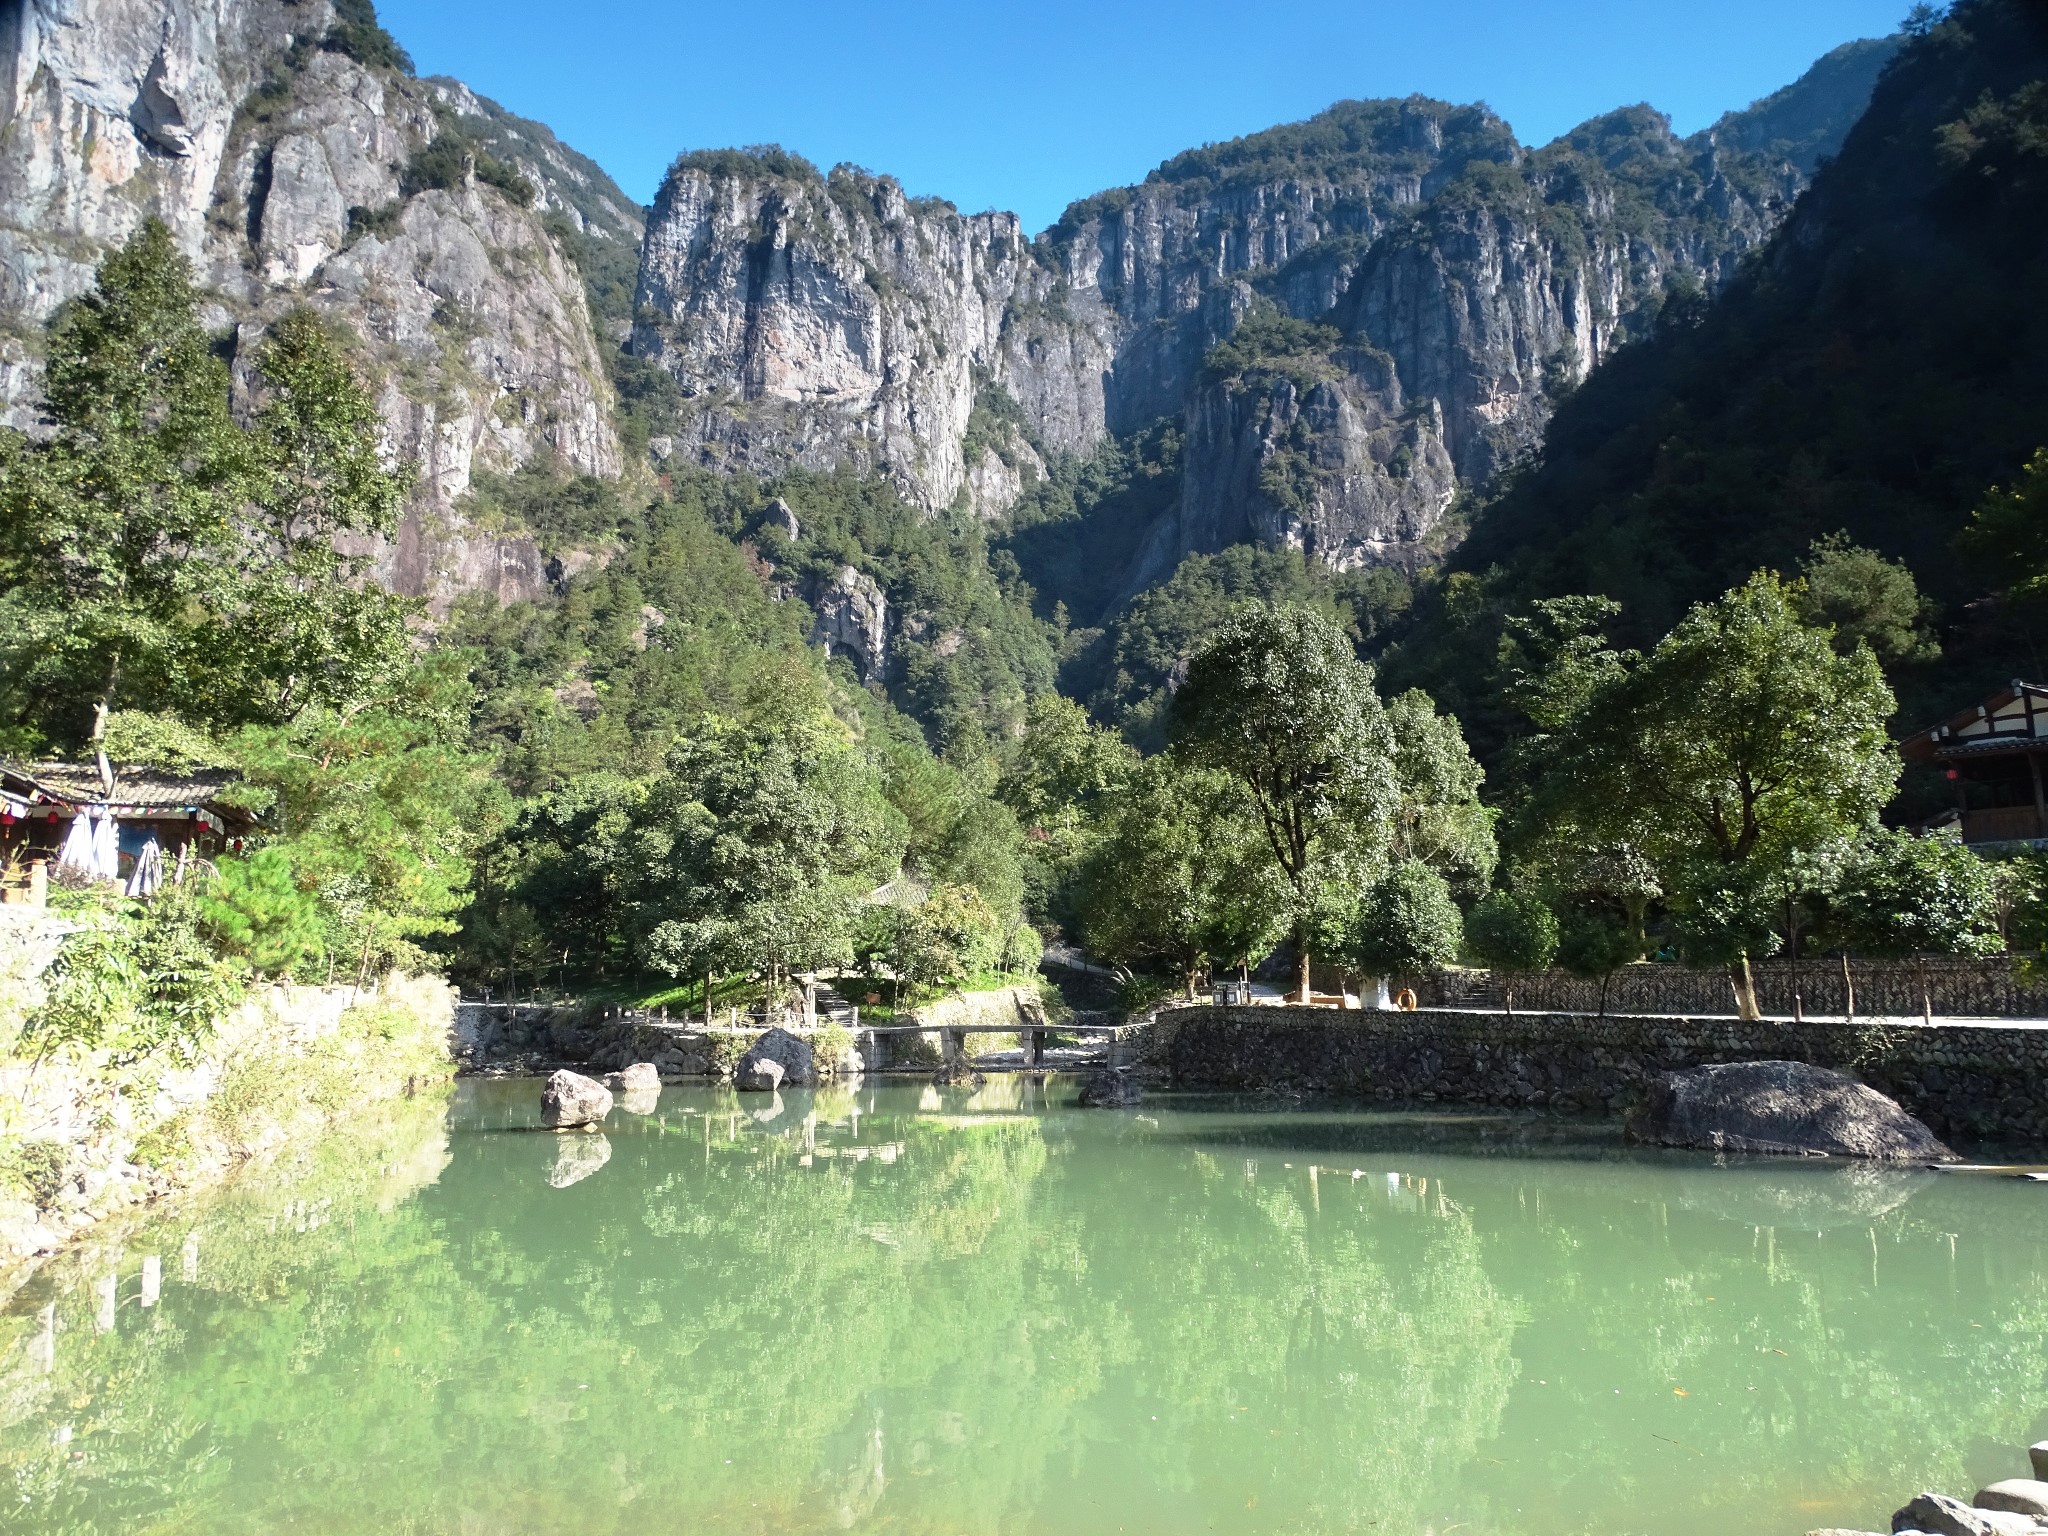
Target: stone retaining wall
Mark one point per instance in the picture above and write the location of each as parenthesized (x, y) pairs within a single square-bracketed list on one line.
[(1974, 1083)]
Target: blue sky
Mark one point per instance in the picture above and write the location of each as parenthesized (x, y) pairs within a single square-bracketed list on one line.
[(1029, 106)]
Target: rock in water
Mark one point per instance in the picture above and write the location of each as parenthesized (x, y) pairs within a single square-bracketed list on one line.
[(641, 1077), (2016, 1495), (957, 1074), (569, 1099), (1938, 1515), (781, 1049), (1782, 1107), (1112, 1088), (577, 1158), (2037, 1453), (758, 1076)]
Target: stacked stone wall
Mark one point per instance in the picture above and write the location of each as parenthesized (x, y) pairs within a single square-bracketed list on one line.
[(1971, 1083)]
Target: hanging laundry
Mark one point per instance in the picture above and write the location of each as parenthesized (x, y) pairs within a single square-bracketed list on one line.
[(76, 854), (148, 873), (106, 846)]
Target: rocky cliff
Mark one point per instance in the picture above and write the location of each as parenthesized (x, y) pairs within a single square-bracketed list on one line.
[(295, 159), (1459, 282)]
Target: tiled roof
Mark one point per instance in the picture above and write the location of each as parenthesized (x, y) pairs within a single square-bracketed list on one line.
[(150, 788)]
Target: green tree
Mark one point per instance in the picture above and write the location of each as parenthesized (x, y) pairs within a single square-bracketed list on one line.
[(1865, 599), (1181, 875), (118, 531), (255, 908), (1439, 821), (1743, 742), (2008, 533), (1278, 700), (1907, 895), (305, 625), (950, 936), (1513, 933), (1405, 921), (754, 847)]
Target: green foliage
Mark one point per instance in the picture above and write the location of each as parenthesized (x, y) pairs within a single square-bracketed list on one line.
[(1405, 921), (753, 849), (1904, 895), (950, 936), (119, 527), (36, 1166), (1180, 875), (357, 32), (255, 909), (131, 980), (1741, 744), (1439, 821), (451, 156), (1824, 389), (2008, 532), (1866, 599), (563, 510), (1511, 931), (1277, 700), (1267, 340), (744, 164)]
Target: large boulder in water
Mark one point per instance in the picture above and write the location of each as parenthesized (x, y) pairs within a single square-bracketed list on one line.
[(1786, 1107), (569, 1099), (789, 1052), (1112, 1088), (1936, 1514)]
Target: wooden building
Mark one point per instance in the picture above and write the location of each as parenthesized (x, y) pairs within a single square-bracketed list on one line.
[(39, 800), (1993, 756)]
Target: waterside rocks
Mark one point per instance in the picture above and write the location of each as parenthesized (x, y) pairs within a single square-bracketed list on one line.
[(1112, 1088), (1785, 1107), (2016, 1495), (958, 1074), (569, 1100), (1936, 1514), (788, 1055), (641, 1077)]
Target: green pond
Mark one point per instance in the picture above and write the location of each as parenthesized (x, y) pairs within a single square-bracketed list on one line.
[(887, 1309)]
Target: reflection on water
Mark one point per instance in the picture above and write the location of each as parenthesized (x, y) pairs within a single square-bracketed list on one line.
[(991, 1312)]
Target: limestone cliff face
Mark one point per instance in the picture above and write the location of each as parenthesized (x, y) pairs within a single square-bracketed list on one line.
[(831, 321), (1466, 279), (282, 165)]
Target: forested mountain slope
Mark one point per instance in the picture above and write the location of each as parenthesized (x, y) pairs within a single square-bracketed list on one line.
[(1875, 372)]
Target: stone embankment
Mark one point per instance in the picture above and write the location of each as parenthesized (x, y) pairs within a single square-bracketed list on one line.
[(1982, 1082), (86, 1136)]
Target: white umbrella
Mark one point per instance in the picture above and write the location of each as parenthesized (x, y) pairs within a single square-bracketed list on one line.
[(148, 873), (106, 846), (76, 854)]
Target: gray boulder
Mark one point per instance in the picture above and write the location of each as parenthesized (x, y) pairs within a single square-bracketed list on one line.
[(779, 1048), (569, 1100), (1112, 1088), (2015, 1495), (1785, 1107), (641, 1077), (763, 1076), (1938, 1515), (2037, 1453)]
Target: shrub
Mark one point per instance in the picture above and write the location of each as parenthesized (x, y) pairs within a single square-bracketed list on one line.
[(1511, 932), (135, 978), (1905, 895), (35, 1167), (953, 934), (1406, 922), (255, 909)]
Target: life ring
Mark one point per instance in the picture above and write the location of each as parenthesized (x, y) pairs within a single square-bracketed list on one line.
[(1405, 1001)]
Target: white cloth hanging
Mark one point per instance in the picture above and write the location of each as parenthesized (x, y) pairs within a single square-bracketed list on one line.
[(76, 854), (149, 870), (106, 846)]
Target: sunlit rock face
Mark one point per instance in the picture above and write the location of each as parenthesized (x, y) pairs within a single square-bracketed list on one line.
[(281, 167), (1464, 281)]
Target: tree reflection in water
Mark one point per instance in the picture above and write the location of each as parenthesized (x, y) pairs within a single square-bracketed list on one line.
[(949, 1312)]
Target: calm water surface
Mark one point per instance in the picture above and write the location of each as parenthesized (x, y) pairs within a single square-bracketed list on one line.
[(888, 1310)]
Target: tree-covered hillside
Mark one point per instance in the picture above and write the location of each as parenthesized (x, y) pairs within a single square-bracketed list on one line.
[(1875, 371)]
